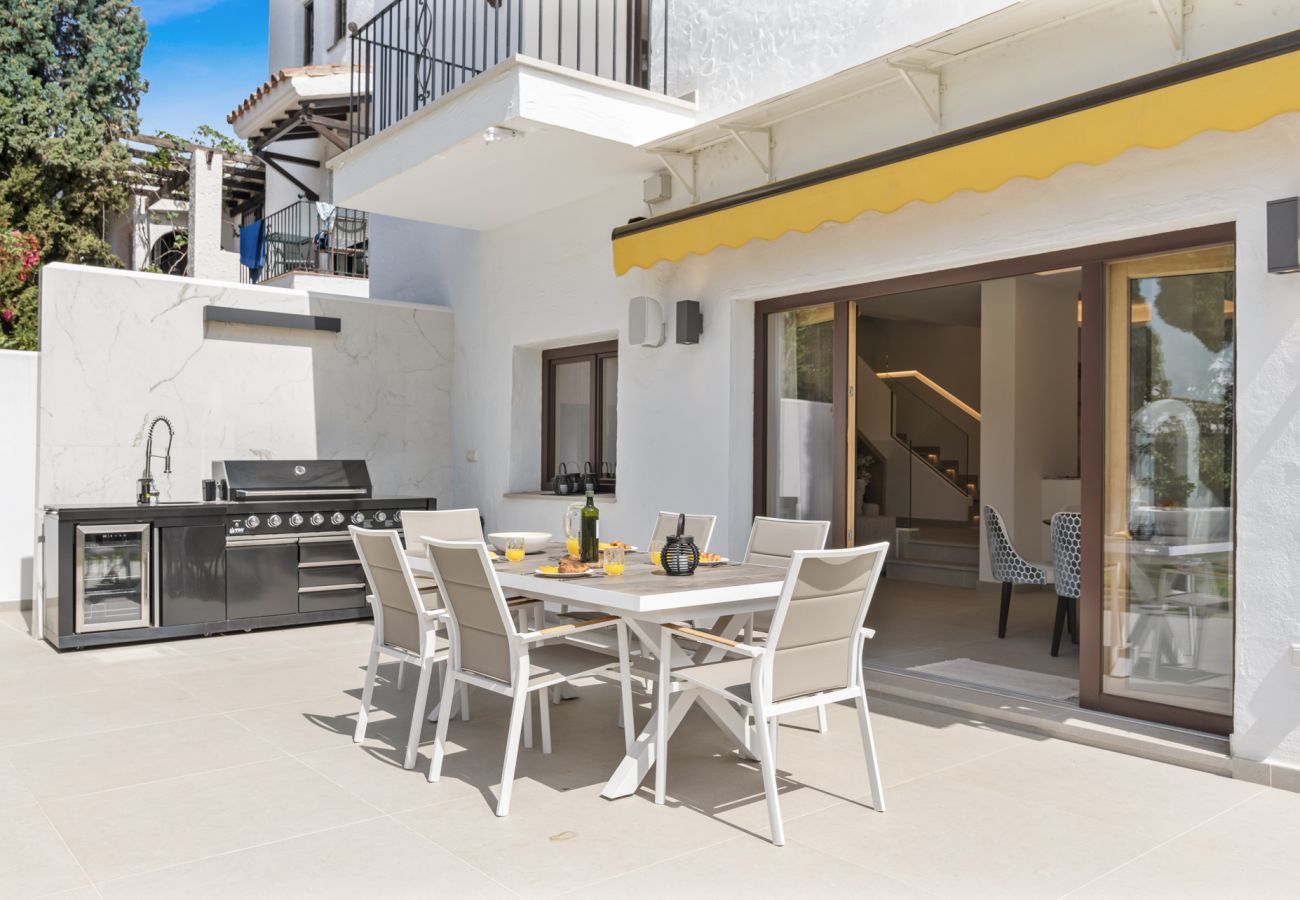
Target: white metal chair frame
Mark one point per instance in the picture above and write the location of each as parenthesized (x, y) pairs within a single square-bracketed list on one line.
[(766, 711), (521, 685), (426, 657)]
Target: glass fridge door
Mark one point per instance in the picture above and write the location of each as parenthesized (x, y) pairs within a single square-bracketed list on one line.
[(113, 575)]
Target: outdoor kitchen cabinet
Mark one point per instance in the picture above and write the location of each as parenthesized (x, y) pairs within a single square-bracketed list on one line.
[(192, 573)]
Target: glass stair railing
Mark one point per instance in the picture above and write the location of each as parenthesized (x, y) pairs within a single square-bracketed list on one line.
[(937, 428)]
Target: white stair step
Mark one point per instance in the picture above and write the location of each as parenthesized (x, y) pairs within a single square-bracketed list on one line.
[(941, 551), (949, 574)]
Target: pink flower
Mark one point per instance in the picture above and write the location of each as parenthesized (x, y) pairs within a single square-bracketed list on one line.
[(7, 314)]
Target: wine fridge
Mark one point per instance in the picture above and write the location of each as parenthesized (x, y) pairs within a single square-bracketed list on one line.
[(113, 577)]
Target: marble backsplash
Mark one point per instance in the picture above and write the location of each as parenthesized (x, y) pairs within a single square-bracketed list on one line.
[(118, 348)]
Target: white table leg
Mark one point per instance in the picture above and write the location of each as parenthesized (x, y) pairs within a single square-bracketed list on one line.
[(634, 767)]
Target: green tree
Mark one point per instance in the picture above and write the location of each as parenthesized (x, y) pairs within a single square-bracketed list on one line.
[(70, 88)]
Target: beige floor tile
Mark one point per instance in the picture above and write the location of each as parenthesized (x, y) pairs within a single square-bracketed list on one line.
[(137, 829), (13, 789), (98, 762), (89, 892), (1107, 787), (951, 838), (744, 869), (33, 857), (32, 720), (379, 858), (264, 683), (1247, 851), (556, 840), (328, 720)]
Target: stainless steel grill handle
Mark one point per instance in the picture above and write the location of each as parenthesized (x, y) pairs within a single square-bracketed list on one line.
[(332, 587), (300, 492), (236, 541)]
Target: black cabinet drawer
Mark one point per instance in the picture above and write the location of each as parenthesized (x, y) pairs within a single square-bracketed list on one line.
[(315, 601), (325, 576), (341, 550)]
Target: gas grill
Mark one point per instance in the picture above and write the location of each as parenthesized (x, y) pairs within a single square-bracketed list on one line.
[(288, 550)]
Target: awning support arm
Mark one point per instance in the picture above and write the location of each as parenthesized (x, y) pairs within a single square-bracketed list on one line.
[(1173, 19), (927, 86), (666, 158), (764, 159)]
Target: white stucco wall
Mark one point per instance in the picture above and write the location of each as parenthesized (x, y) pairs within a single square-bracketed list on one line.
[(18, 484)]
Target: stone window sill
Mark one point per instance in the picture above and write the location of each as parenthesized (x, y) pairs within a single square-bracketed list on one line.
[(550, 495)]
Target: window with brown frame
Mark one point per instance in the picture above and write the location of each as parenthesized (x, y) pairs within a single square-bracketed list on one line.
[(580, 411), (308, 32), (340, 19)]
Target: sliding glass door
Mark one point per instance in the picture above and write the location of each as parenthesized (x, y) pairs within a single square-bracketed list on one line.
[(1167, 599)]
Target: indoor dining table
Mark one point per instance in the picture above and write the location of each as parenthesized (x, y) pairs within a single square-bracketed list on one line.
[(647, 598)]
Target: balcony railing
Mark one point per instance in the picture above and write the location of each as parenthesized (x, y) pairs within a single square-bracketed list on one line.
[(314, 238), (414, 51)]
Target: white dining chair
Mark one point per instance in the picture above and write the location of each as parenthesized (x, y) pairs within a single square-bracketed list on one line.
[(773, 542), (813, 656), (447, 524), (490, 652), (406, 628), (699, 527)]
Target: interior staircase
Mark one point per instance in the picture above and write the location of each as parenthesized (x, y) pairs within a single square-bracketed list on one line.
[(937, 554)]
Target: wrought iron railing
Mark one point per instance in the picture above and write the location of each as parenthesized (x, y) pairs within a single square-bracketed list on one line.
[(414, 51), (316, 238)]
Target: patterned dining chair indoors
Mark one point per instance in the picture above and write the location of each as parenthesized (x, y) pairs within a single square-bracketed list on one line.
[(812, 656), (1066, 549), (490, 652), (1008, 566), (406, 628)]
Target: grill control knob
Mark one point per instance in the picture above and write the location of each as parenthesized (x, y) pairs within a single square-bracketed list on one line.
[(381, 516), (336, 519), (252, 522), (357, 518), (317, 520), (295, 520), (273, 521), (397, 515)]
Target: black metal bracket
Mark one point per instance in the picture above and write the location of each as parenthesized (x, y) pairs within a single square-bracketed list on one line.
[(235, 316)]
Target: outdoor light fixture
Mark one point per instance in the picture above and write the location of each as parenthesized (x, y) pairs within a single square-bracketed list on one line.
[(494, 133), (690, 322), (1284, 235), (645, 323)]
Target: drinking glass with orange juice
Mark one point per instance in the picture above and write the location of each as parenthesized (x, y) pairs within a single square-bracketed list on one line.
[(574, 546), (656, 552), (612, 559), (514, 549)]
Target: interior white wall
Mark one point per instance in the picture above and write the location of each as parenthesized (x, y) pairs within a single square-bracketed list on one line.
[(18, 373), (1029, 430)]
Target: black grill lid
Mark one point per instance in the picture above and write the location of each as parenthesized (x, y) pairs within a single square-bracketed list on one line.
[(273, 479)]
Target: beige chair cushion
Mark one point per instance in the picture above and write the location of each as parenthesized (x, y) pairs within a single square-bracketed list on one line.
[(553, 663)]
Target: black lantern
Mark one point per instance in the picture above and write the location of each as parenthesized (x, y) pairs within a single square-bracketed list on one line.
[(680, 556)]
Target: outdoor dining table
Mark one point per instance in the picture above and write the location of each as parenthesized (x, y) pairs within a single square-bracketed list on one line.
[(647, 598)]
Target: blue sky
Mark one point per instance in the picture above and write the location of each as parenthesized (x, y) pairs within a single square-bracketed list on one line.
[(203, 58)]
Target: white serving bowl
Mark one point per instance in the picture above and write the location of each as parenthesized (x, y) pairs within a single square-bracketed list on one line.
[(534, 541)]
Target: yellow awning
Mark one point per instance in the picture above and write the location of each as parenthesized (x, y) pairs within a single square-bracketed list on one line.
[(1230, 99)]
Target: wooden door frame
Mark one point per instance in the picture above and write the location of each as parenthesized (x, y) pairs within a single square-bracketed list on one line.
[(1091, 260)]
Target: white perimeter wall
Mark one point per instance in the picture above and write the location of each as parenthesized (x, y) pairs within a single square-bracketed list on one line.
[(18, 484), (118, 348)]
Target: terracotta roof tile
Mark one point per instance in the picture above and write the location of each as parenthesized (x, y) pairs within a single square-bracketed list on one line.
[(282, 75)]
